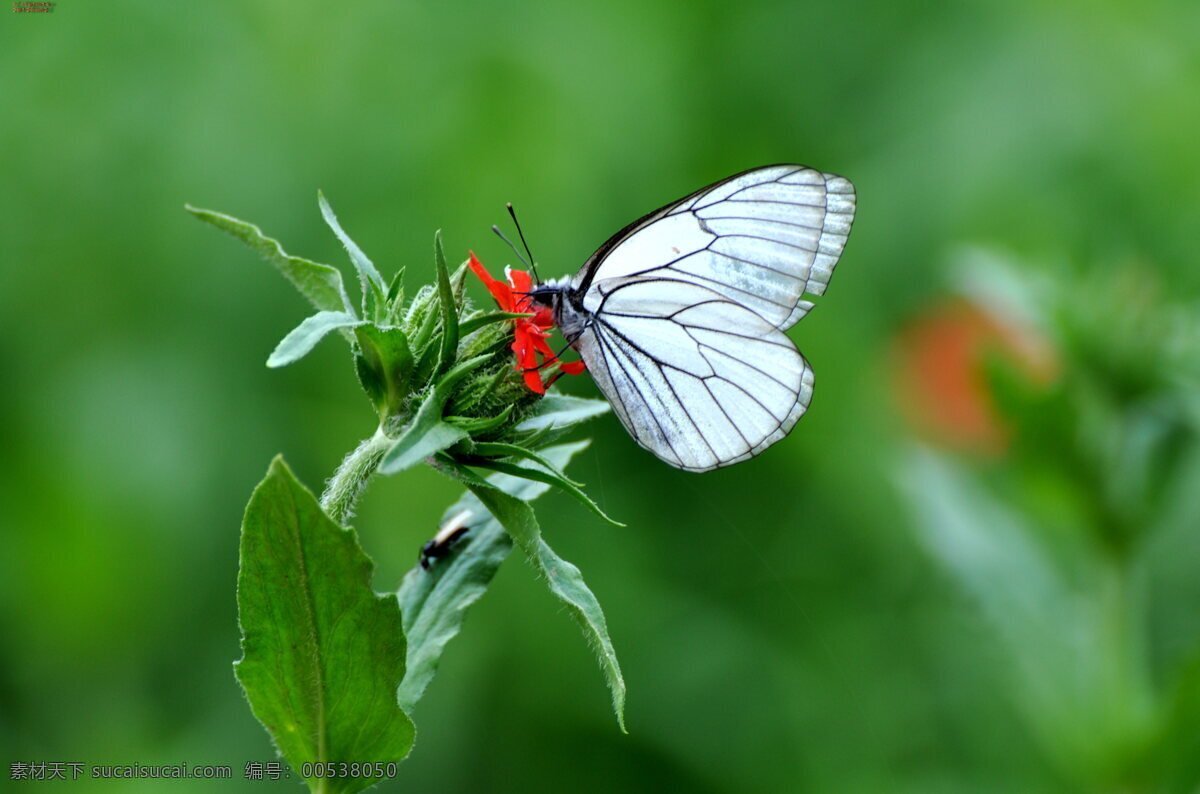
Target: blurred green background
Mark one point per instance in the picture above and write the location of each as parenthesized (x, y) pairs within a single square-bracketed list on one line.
[(871, 605)]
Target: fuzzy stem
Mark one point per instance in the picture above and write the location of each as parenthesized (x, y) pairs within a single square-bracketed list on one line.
[(347, 483)]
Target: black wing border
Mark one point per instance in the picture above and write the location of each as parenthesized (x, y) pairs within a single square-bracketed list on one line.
[(600, 254)]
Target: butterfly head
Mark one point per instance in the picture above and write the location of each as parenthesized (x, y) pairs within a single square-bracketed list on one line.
[(545, 296), (560, 299)]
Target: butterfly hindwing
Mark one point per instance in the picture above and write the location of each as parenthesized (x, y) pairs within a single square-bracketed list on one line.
[(698, 379)]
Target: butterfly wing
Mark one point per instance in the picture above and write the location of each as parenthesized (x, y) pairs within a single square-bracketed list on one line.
[(687, 306), (698, 379), (762, 238)]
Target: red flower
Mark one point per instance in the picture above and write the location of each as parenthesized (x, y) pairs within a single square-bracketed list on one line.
[(941, 378), (529, 333)]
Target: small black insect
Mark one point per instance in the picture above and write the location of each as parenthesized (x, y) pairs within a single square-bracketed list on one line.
[(440, 544)]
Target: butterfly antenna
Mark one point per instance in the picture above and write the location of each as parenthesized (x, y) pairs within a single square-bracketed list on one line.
[(517, 223), (516, 251)]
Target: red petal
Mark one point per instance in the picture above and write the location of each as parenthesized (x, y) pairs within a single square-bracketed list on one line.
[(529, 334), (527, 361), (533, 380), (523, 343), (524, 348), (540, 345), (519, 279), (500, 291), (543, 317)]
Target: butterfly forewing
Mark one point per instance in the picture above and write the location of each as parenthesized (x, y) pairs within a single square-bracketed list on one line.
[(766, 236), (686, 309)]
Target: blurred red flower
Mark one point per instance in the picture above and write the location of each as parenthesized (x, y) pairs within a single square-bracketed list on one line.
[(941, 379), (529, 333)]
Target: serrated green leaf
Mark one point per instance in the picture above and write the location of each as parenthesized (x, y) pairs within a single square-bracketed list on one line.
[(304, 337), (434, 602), (563, 579), (449, 307), (368, 276), (389, 363), (322, 653), (321, 284), (560, 410)]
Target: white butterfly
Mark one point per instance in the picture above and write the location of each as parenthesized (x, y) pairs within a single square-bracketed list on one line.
[(680, 315)]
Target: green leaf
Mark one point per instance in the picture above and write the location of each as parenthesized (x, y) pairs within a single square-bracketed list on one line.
[(479, 321), (423, 369), (420, 307), (388, 362), (372, 282), (502, 450), (422, 439), (321, 284), (305, 336), (427, 433), (551, 477), (449, 307), (482, 424), (396, 288), (560, 410), (458, 282), (395, 299), (559, 455), (1084, 692), (563, 578), (434, 602), (1176, 748), (322, 653)]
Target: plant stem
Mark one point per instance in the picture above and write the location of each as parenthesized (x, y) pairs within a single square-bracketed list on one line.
[(347, 483), (1119, 599)]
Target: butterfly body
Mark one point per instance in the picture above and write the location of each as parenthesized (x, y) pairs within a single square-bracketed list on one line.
[(680, 315), (565, 304)]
